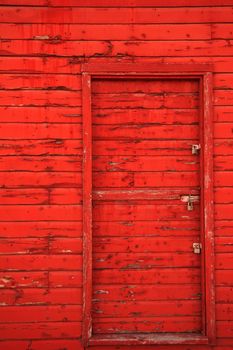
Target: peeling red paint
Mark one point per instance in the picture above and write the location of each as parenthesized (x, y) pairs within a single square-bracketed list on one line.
[(44, 48)]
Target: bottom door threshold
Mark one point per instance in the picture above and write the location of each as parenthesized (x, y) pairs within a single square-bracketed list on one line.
[(147, 338)]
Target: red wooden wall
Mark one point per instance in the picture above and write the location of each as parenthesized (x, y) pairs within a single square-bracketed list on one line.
[(42, 47)]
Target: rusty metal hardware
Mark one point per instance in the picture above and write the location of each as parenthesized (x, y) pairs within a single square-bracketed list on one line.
[(197, 248), (189, 199), (190, 204), (196, 149)]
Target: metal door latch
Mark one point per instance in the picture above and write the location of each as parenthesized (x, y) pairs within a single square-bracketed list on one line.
[(190, 199), (196, 149), (190, 204), (197, 248)]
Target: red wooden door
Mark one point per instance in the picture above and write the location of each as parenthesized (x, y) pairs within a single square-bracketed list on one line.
[(146, 276)]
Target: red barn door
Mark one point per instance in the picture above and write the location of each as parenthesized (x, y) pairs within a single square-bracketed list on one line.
[(146, 226)]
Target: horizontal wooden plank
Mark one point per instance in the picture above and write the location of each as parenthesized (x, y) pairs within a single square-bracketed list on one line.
[(54, 47), (58, 279), (223, 278), (152, 179), (223, 114), (75, 344), (222, 31), (41, 296), (66, 196), (119, 212), (66, 245), (223, 244), (223, 97), (194, 48), (224, 261), (40, 179), (223, 81), (42, 245), (160, 194), (149, 115), (23, 2), (223, 163), (40, 163), (71, 65), (108, 31), (40, 212), (147, 260), (21, 196), (41, 279), (37, 330), (224, 294), (23, 246), (221, 63), (142, 147), (223, 211), (14, 344), (223, 147), (46, 344), (223, 130), (39, 81), (38, 65), (23, 279), (58, 146), (10, 314), (140, 3), (44, 228), (39, 98), (225, 330), (223, 228), (163, 229), (103, 89), (40, 114), (146, 179), (142, 163), (39, 131), (145, 292), (148, 276), (54, 146), (121, 3), (115, 15), (145, 309), (144, 100), (145, 131), (146, 245), (41, 262), (157, 324), (223, 178), (142, 116), (149, 228), (223, 195)]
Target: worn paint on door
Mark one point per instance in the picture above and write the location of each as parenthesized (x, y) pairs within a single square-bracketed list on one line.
[(146, 216)]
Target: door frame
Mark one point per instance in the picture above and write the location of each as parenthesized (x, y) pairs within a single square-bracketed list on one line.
[(203, 73)]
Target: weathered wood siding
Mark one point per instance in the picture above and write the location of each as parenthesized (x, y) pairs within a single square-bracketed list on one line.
[(42, 48)]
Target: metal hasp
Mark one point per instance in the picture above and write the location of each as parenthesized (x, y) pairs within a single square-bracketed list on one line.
[(196, 149), (190, 203), (197, 248), (190, 199)]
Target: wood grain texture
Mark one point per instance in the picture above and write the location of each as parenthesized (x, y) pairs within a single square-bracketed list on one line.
[(130, 258), (43, 46)]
